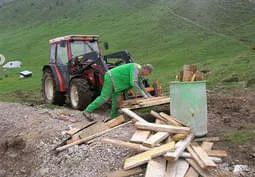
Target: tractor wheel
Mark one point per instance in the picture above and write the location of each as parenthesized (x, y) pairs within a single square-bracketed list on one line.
[(50, 95), (80, 94)]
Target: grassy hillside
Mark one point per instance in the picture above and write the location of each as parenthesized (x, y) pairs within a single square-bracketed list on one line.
[(218, 35)]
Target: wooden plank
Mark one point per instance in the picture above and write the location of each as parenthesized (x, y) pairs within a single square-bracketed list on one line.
[(208, 139), (144, 157), (114, 122), (86, 139), (204, 157), (196, 157), (140, 136), (217, 153), (207, 145), (156, 168), (137, 147), (157, 116), (172, 120), (202, 172), (191, 173), (133, 115), (126, 173), (155, 102), (180, 147), (188, 155), (162, 128), (156, 139), (179, 136), (177, 168)]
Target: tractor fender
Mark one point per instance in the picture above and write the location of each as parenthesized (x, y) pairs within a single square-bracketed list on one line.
[(57, 77)]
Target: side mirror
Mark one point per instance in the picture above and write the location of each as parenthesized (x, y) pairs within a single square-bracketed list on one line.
[(106, 45), (62, 44)]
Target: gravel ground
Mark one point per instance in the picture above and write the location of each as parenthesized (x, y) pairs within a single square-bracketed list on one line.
[(30, 133)]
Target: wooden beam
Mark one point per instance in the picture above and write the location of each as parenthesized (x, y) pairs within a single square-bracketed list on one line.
[(144, 157), (126, 173), (162, 128), (156, 139), (202, 172), (156, 168), (217, 153), (204, 157), (207, 145), (180, 147), (208, 139), (179, 136), (155, 102), (191, 173), (157, 116), (188, 155), (172, 120), (140, 136), (86, 139), (196, 157), (137, 147), (114, 122), (133, 115), (177, 168)]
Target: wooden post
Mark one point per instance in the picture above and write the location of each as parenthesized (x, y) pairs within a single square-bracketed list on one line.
[(133, 115)]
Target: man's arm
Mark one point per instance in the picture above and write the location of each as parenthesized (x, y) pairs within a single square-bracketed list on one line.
[(137, 83)]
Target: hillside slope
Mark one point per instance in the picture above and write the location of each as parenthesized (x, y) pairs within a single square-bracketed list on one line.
[(218, 35)]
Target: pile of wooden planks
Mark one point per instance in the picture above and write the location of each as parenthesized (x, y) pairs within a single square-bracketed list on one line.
[(142, 102), (190, 73), (168, 148)]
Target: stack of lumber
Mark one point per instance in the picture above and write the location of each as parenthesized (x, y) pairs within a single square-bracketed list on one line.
[(167, 148), (142, 102), (190, 73)]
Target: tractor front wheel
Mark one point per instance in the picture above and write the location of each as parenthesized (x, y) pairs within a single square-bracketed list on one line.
[(50, 95), (80, 94)]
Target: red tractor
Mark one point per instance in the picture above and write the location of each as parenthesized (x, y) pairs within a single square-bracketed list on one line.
[(76, 68)]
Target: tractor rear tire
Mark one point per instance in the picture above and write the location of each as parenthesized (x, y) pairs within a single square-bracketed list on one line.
[(50, 95), (80, 95)]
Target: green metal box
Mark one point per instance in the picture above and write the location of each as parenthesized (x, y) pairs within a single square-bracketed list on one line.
[(188, 103)]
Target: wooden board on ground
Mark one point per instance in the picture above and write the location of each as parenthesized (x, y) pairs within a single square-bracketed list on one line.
[(126, 173), (207, 145), (114, 122), (133, 115), (180, 147), (208, 139), (204, 157), (140, 136), (202, 172), (144, 157), (177, 168), (162, 128), (172, 120), (137, 147), (143, 103), (217, 153), (156, 168), (155, 139), (191, 173)]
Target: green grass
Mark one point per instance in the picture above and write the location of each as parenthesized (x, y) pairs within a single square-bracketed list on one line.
[(218, 36), (241, 136)]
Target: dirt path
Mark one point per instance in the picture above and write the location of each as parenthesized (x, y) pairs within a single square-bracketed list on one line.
[(29, 133)]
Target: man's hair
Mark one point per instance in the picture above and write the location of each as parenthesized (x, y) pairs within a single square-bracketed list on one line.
[(149, 67)]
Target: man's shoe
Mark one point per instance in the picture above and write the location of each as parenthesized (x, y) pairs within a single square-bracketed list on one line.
[(88, 115)]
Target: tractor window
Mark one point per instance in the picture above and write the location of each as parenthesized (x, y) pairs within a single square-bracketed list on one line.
[(62, 57), (52, 53), (81, 48)]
